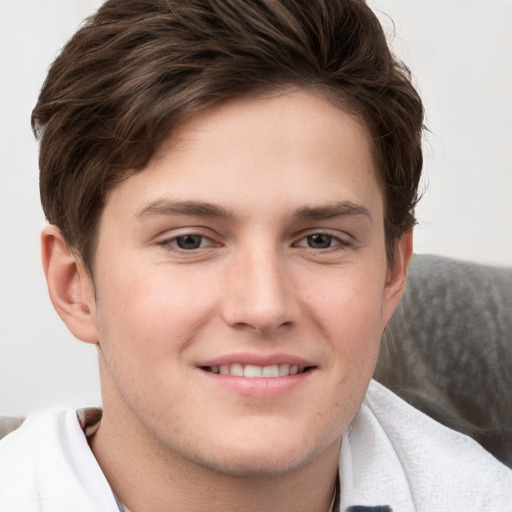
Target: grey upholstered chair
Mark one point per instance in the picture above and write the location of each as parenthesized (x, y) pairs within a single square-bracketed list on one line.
[(448, 348)]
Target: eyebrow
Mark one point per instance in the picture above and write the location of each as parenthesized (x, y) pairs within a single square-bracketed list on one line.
[(338, 209), (196, 208)]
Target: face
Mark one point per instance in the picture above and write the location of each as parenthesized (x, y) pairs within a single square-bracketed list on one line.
[(242, 286)]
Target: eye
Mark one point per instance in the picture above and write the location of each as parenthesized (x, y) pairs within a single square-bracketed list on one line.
[(187, 242), (320, 241)]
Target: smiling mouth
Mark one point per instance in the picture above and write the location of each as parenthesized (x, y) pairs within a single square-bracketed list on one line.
[(254, 371)]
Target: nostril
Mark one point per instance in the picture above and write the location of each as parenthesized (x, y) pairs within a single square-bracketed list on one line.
[(262, 327)]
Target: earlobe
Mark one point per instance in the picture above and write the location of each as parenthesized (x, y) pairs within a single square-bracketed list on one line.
[(69, 285), (396, 277)]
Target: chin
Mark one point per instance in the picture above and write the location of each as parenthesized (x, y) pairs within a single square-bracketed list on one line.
[(252, 464), (265, 456)]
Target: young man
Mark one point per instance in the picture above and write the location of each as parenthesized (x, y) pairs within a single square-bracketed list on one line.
[(230, 189)]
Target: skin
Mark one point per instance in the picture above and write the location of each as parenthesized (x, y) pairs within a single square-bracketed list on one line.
[(287, 262)]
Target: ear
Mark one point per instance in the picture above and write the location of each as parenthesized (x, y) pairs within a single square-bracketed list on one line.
[(396, 275), (69, 285)]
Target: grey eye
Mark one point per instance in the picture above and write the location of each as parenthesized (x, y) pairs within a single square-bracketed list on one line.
[(319, 241), (189, 242)]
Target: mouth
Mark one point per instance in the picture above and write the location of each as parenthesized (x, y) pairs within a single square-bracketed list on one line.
[(254, 371)]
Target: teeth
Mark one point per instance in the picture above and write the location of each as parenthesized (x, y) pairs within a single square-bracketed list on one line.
[(237, 370), (270, 371), (252, 370), (284, 370)]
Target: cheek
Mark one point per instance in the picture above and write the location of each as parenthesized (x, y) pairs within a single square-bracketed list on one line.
[(153, 314), (350, 314), (350, 300)]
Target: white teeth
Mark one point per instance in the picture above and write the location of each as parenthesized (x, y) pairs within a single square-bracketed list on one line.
[(254, 371), (284, 370), (251, 370), (237, 370), (270, 371)]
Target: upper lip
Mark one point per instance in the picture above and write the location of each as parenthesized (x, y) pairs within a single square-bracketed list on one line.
[(258, 360)]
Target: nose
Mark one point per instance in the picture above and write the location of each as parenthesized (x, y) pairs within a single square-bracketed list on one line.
[(259, 295)]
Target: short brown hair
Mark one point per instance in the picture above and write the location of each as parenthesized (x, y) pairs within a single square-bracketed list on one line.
[(137, 68)]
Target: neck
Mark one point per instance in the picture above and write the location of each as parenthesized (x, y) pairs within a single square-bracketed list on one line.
[(147, 477)]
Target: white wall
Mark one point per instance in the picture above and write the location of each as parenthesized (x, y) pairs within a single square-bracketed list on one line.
[(460, 54), (40, 362)]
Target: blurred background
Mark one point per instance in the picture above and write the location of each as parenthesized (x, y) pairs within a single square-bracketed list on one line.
[(460, 54)]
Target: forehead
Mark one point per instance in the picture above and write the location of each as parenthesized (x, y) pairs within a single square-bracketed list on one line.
[(296, 148)]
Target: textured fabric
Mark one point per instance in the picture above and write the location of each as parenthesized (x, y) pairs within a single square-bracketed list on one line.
[(394, 455), (46, 465), (447, 349), (392, 458)]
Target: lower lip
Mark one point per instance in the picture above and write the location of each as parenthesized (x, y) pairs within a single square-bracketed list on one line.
[(260, 387)]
